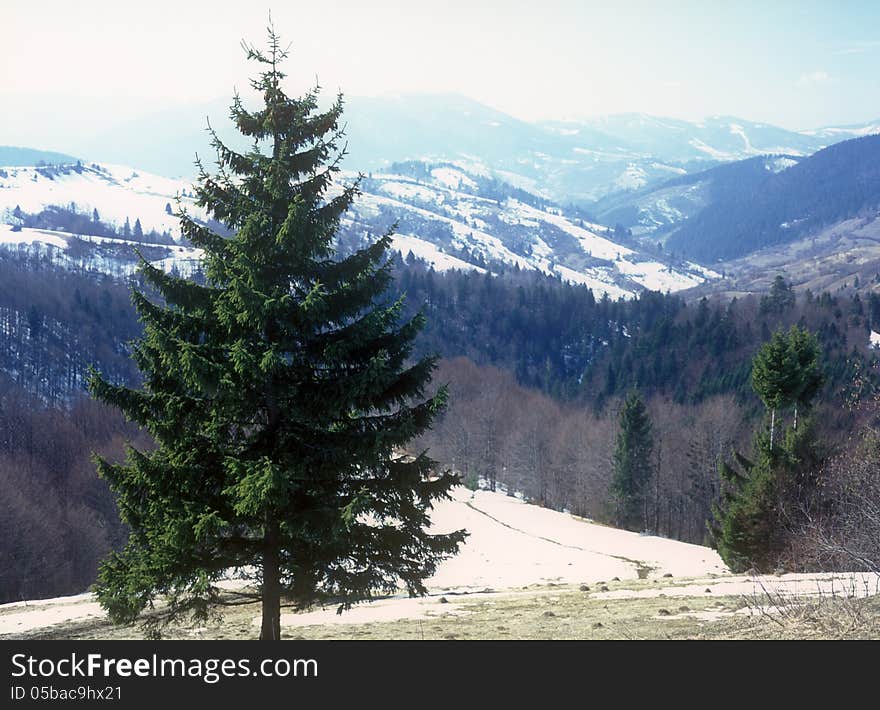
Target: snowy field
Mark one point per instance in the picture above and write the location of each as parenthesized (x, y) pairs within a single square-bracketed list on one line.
[(511, 545), (517, 550)]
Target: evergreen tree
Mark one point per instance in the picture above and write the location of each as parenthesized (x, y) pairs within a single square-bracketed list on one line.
[(781, 296), (749, 518), (280, 394), (138, 232), (126, 229), (785, 372), (806, 351), (774, 375), (632, 463)]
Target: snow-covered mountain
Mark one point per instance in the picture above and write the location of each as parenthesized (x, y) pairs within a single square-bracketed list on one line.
[(580, 160), (446, 215), (652, 211), (833, 134), (718, 138)]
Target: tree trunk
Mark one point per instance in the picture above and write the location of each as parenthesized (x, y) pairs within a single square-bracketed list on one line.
[(270, 629), (772, 426), (795, 416)]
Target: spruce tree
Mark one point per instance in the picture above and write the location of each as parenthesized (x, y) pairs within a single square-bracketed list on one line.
[(632, 463), (785, 372), (749, 519), (281, 395), (774, 376)]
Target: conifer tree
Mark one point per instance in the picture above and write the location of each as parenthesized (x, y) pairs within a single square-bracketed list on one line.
[(785, 372), (747, 520), (281, 394), (632, 463), (774, 375)]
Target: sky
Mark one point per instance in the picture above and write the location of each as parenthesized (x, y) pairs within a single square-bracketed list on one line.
[(794, 64)]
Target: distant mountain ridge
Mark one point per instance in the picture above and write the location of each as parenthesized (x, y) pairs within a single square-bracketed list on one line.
[(734, 209), (837, 182), (565, 161), (16, 156)]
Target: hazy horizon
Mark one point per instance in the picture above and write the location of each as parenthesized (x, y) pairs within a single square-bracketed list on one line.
[(795, 65)]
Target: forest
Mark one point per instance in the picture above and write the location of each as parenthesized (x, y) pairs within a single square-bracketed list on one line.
[(538, 372)]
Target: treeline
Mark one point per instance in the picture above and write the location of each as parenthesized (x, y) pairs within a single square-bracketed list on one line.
[(55, 323), (549, 334), (59, 519), (73, 221), (560, 454), (558, 337), (774, 208)]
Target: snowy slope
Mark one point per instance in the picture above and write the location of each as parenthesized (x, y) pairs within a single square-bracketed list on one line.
[(464, 215), (116, 191), (105, 255), (511, 544), (448, 216)]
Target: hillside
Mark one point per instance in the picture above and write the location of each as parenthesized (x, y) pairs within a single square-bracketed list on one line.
[(732, 210), (653, 213), (446, 215), (528, 572), (838, 182)]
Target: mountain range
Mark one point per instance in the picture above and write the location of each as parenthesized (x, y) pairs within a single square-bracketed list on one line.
[(620, 203), (91, 215), (565, 161)]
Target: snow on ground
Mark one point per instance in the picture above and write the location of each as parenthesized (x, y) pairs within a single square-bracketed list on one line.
[(591, 243), (656, 276), (513, 545), (20, 617), (562, 548), (8, 238), (777, 165), (117, 257), (596, 283), (450, 177), (405, 243), (115, 191), (632, 178), (120, 192), (710, 151), (702, 270), (410, 191)]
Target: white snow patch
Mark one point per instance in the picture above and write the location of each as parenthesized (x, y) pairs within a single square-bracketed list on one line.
[(598, 285), (452, 178), (405, 243), (656, 276), (777, 165), (116, 191)]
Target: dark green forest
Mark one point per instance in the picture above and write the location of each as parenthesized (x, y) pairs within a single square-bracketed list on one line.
[(559, 358)]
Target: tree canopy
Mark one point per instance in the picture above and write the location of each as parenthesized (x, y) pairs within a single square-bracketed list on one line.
[(281, 394)]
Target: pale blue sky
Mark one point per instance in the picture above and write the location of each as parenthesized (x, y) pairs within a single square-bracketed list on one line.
[(795, 64)]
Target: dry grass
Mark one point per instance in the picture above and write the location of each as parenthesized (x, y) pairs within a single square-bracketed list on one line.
[(564, 612)]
